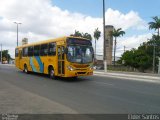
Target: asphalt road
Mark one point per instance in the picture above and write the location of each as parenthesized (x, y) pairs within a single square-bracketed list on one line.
[(35, 93)]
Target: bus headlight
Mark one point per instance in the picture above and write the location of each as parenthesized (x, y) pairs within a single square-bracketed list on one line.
[(92, 67), (70, 68)]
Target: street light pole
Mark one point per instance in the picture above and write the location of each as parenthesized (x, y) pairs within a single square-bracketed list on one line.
[(17, 30), (1, 53), (104, 39)]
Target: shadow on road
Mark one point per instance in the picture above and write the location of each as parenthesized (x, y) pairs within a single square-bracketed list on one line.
[(69, 80)]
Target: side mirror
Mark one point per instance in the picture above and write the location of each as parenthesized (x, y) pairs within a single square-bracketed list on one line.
[(66, 50)]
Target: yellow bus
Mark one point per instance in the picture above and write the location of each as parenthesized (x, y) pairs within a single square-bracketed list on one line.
[(63, 57)]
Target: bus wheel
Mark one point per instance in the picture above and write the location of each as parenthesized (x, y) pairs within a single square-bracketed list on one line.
[(25, 69), (51, 73)]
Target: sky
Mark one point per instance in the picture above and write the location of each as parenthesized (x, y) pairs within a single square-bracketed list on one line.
[(45, 19)]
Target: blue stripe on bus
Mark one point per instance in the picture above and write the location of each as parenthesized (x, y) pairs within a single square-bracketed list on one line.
[(41, 65), (32, 65)]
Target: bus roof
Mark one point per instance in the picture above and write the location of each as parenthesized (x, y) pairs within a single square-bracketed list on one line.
[(49, 40)]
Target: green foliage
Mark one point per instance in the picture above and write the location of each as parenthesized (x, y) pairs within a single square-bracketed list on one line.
[(142, 57), (5, 55), (76, 34), (155, 24), (116, 33), (97, 34), (87, 36), (84, 35)]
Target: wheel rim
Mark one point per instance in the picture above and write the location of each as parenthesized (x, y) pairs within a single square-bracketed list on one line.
[(25, 69), (52, 73)]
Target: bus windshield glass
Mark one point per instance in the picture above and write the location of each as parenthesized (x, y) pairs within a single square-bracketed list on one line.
[(80, 54)]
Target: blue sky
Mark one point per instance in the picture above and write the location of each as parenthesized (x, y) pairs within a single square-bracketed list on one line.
[(145, 8)]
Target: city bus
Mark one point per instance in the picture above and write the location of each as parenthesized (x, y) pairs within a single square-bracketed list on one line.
[(63, 57)]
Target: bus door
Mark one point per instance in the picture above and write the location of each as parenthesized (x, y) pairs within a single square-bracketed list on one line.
[(61, 61)]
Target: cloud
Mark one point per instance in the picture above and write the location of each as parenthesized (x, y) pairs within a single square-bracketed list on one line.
[(131, 42), (125, 21), (42, 20)]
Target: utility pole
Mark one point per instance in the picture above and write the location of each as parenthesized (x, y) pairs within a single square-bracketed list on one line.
[(124, 49), (104, 39), (1, 53), (17, 30)]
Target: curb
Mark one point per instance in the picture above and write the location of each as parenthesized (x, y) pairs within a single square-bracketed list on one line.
[(7, 65), (127, 75)]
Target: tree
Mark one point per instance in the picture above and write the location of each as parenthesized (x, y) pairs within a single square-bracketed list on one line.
[(87, 36), (97, 34), (137, 59), (116, 33), (142, 57), (84, 35), (76, 34), (155, 24), (5, 55)]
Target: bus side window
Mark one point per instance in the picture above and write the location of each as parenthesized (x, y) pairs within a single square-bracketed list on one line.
[(25, 52), (52, 49), (20, 54), (36, 50), (44, 50), (30, 51), (16, 52)]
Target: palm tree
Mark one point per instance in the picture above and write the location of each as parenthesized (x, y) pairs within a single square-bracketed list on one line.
[(97, 34), (87, 36), (155, 24), (84, 35), (117, 33), (76, 34)]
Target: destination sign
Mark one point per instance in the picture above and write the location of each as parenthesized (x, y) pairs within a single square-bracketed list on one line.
[(74, 41)]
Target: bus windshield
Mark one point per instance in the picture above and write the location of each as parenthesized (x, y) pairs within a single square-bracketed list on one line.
[(80, 54)]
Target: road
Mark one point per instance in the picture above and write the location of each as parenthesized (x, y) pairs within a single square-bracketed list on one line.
[(35, 93)]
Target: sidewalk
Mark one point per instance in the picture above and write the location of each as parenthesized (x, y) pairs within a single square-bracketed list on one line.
[(7, 64), (128, 74)]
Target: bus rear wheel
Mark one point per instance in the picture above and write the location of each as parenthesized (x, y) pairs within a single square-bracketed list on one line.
[(25, 69), (51, 73)]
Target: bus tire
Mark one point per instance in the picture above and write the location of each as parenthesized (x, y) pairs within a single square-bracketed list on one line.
[(25, 69), (51, 73)]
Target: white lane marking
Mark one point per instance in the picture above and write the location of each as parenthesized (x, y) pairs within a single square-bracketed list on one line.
[(129, 78)]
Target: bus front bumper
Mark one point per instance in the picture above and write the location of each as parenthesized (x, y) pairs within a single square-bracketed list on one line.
[(79, 73)]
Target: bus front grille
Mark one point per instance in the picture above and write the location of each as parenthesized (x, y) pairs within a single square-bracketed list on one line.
[(81, 72)]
